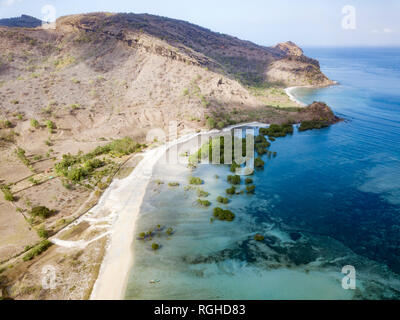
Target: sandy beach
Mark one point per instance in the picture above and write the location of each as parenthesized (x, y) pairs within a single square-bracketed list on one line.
[(292, 97), (124, 199), (289, 91)]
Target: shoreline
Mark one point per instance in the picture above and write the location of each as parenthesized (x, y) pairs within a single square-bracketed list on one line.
[(124, 199), (292, 97)]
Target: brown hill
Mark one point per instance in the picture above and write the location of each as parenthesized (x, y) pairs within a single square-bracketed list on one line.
[(251, 63), (142, 71)]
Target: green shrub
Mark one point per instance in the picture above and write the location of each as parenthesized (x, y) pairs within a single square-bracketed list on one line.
[(68, 161), (21, 155), (123, 147), (155, 246), (5, 124), (231, 190), (120, 147), (195, 181), (41, 211), (204, 102), (33, 181), (234, 166), (249, 181), (313, 124), (93, 164), (174, 184), (209, 148), (210, 123), (37, 157), (50, 125), (102, 185), (43, 246), (276, 130), (259, 237), (260, 139), (258, 162), (142, 235), (261, 150), (223, 215), (203, 203), (250, 189), (220, 125), (264, 144), (234, 179), (223, 200), (8, 196), (169, 231), (79, 167), (43, 233), (202, 194), (77, 174)]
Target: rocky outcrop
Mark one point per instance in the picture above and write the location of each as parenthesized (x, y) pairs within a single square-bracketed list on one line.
[(319, 111), (294, 68), (290, 49)]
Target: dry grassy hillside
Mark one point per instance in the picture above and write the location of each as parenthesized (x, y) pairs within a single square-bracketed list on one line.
[(100, 77)]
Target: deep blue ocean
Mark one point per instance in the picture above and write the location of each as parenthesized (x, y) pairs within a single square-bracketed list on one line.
[(331, 198)]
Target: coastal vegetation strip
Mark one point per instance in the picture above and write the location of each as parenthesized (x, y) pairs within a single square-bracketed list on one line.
[(77, 168)]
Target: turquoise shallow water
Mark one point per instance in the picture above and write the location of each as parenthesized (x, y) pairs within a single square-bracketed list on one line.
[(331, 198)]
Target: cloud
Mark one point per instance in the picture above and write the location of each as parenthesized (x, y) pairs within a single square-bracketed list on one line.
[(387, 30), (9, 3)]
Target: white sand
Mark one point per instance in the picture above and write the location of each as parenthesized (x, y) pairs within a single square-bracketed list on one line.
[(289, 91), (124, 199), (292, 97)]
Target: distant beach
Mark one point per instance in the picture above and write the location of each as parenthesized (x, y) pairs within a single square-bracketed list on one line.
[(289, 92)]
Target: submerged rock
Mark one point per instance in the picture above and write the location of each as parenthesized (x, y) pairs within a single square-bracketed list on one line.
[(302, 254), (295, 236)]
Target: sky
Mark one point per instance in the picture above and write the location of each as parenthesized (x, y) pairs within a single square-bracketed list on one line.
[(266, 22)]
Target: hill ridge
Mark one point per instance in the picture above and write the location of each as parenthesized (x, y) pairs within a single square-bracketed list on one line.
[(24, 21), (251, 63)]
